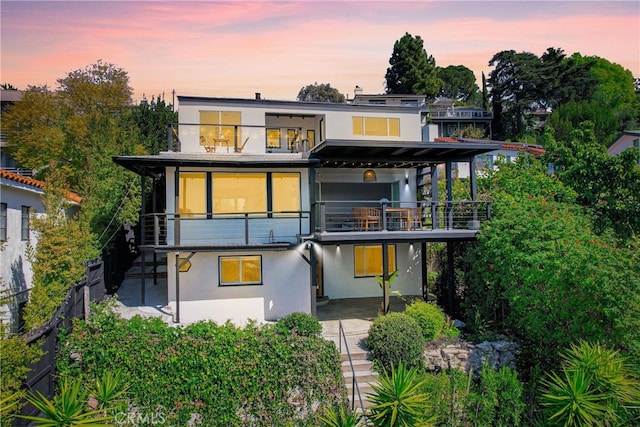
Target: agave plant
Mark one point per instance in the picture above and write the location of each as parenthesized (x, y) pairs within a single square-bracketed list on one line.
[(597, 387), (341, 417), (68, 408), (398, 400), (109, 390)]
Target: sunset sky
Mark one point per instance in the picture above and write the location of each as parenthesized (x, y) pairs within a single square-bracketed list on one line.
[(237, 48)]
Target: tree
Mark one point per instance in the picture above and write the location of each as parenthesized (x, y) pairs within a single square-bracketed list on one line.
[(459, 83), (320, 93), (540, 271), (58, 259), (151, 119), (77, 129), (412, 70), (609, 186), (8, 86)]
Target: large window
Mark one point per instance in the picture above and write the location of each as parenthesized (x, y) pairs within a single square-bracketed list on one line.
[(311, 138), (273, 138), (376, 126), (240, 270), (24, 231), (193, 194), (292, 138), (239, 193), (3, 222), (217, 127), (367, 260), (286, 192)]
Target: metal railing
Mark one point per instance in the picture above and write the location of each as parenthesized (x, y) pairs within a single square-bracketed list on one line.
[(354, 384), (242, 228), (341, 216)]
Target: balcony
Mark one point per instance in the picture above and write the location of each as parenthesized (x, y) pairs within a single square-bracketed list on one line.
[(335, 221)]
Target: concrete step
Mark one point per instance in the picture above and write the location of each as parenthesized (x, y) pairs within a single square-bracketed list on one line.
[(359, 365), (148, 260), (359, 355), (136, 272)]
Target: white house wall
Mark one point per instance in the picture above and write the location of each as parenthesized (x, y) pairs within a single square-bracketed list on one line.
[(15, 268), (286, 288), (338, 123), (339, 280)]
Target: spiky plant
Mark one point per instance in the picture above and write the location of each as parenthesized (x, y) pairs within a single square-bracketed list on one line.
[(341, 417)]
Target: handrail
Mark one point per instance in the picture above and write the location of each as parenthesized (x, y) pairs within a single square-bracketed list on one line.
[(354, 384)]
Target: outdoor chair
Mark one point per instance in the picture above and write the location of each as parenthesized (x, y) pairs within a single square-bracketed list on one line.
[(366, 216), (416, 219)]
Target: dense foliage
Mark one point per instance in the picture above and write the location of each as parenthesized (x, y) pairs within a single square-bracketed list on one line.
[(299, 323), (322, 92), (223, 374), (395, 338), (459, 83), (430, 317), (596, 386), (411, 69), (58, 260), (540, 272), (152, 119)]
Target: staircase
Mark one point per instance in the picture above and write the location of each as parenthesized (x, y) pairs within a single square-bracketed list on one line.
[(364, 376), (136, 272)]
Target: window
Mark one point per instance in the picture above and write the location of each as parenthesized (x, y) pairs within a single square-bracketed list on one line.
[(240, 270), (311, 138), (367, 260), (292, 138), (273, 138), (376, 126), (3, 222), (239, 193), (218, 127), (286, 192), (193, 194), (25, 223)]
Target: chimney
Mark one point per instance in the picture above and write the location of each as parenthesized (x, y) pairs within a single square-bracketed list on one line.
[(258, 97), (357, 91)]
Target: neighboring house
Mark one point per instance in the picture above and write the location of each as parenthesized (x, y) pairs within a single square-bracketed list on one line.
[(270, 204), (20, 198), (627, 139), (508, 151)]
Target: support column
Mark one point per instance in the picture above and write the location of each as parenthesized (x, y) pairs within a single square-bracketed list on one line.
[(474, 191), (385, 278), (312, 200), (177, 317), (449, 209), (424, 260), (143, 232), (435, 198), (451, 280), (313, 276)]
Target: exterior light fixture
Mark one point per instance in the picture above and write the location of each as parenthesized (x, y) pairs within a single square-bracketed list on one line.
[(369, 176)]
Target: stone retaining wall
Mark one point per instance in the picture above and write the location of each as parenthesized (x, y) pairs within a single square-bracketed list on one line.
[(464, 355)]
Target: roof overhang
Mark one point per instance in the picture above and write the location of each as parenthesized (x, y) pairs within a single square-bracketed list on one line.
[(155, 165), (394, 154)]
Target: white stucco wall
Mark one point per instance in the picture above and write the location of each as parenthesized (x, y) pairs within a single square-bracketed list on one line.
[(339, 280), (15, 268), (286, 287)]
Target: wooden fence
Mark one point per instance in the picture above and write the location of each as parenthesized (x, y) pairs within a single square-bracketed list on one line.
[(42, 375)]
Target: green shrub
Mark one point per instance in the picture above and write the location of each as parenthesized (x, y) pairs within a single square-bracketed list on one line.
[(596, 387), (300, 323), (15, 358), (396, 338), (227, 375), (429, 316)]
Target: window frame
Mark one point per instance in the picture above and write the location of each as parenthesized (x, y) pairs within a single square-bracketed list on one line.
[(3, 222), (240, 259), (267, 140), (25, 231), (359, 126), (311, 138), (367, 273)]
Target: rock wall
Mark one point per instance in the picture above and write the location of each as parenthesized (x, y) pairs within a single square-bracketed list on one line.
[(464, 355)]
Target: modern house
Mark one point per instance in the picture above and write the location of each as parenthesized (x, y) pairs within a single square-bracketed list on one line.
[(20, 199), (262, 206)]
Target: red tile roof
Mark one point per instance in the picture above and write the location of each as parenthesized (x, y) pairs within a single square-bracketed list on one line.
[(536, 150), (33, 183), (445, 139)]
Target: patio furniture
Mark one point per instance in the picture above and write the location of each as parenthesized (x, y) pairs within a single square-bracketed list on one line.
[(415, 219), (366, 216)]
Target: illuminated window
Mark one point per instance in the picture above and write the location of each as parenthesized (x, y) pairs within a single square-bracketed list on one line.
[(292, 138), (311, 137), (24, 232), (376, 126), (239, 193), (286, 192), (273, 138), (367, 260), (193, 194), (217, 128), (240, 270)]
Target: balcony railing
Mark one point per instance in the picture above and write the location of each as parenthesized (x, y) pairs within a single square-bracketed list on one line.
[(207, 229), (449, 114), (269, 228), (223, 138), (345, 216)]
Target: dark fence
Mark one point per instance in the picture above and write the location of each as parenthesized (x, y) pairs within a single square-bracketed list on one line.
[(42, 376)]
